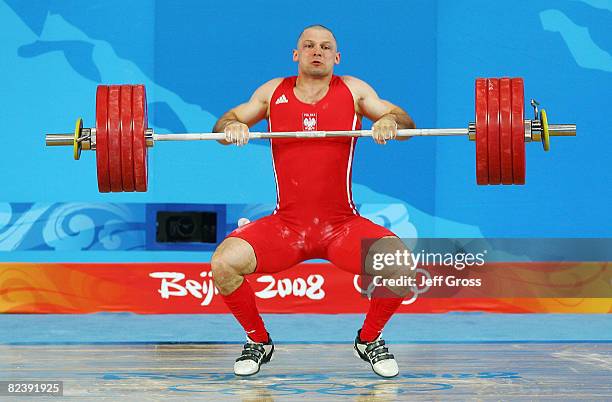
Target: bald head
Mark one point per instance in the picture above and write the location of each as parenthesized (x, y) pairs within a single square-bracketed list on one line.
[(317, 27)]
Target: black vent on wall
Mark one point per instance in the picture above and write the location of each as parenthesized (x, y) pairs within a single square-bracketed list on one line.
[(186, 227)]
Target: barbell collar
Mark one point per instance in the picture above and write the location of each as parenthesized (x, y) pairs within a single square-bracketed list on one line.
[(149, 137)]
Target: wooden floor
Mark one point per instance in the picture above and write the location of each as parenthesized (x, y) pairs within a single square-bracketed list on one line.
[(498, 371)]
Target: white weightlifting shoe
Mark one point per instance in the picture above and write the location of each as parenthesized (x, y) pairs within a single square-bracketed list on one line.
[(376, 353), (253, 356)]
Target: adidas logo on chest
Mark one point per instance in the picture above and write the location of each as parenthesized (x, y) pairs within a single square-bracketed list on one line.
[(281, 99)]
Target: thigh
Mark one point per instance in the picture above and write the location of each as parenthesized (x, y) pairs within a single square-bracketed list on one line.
[(345, 250), (275, 245)]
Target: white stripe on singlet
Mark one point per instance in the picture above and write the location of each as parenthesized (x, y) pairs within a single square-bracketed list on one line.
[(348, 169), (274, 169)]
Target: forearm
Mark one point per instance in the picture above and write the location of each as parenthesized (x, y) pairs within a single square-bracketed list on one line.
[(403, 121)]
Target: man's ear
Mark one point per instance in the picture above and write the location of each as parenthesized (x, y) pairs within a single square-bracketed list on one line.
[(295, 55), (337, 60)]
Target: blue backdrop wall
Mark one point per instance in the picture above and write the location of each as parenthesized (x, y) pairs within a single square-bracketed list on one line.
[(563, 49), (198, 59)]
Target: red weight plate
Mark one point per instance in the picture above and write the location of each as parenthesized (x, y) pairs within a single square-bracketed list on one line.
[(493, 131), (139, 146), (127, 162), (505, 129), (482, 160), (114, 137), (518, 131), (102, 139)]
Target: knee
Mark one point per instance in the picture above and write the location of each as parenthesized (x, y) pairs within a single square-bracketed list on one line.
[(225, 276), (398, 267), (389, 257)]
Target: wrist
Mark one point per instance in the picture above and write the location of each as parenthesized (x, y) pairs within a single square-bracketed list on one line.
[(389, 116), (228, 122)]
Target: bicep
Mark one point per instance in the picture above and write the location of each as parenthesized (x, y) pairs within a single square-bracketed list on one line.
[(374, 108), (256, 108), (369, 103), (250, 112)]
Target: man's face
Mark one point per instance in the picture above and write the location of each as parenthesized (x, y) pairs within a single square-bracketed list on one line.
[(316, 53)]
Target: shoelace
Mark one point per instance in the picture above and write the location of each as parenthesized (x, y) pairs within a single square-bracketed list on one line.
[(252, 351), (376, 351)]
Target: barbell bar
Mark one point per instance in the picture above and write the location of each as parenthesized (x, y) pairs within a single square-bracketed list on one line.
[(121, 136)]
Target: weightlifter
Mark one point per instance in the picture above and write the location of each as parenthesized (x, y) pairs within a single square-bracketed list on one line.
[(315, 216)]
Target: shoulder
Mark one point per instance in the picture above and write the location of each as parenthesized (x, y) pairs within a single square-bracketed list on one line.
[(266, 90), (358, 87), (270, 86), (274, 82), (350, 80)]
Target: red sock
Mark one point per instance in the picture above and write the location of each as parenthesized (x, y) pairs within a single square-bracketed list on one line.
[(241, 303), (381, 310)]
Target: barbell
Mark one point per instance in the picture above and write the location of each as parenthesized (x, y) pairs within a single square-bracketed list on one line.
[(122, 135)]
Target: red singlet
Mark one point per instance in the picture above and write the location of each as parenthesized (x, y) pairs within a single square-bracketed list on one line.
[(313, 175), (315, 216)]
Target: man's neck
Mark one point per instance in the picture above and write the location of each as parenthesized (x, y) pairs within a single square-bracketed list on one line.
[(309, 84)]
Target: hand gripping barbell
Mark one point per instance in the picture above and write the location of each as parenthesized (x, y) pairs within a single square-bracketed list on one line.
[(121, 136)]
